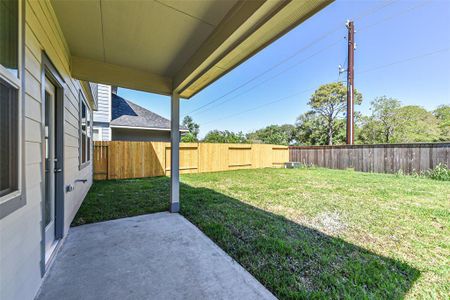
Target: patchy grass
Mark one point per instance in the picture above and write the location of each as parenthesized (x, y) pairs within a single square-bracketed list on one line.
[(309, 233), (114, 199)]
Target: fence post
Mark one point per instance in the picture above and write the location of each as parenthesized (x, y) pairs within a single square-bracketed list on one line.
[(108, 162)]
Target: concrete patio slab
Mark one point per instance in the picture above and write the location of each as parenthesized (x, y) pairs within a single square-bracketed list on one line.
[(156, 256)]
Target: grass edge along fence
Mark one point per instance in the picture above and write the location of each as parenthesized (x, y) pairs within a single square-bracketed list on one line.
[(414, 158), (124, 160)]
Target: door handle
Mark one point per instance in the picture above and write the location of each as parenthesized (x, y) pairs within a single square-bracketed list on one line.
[(58, 170)]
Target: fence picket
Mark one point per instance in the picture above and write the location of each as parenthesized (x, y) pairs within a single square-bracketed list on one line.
[(383, 158), (121, 160)]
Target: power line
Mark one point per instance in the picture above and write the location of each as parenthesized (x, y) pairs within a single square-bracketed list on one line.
[(269, 69), (421, 4), (404, 60), (260, 106), (336, 28), (304, 91), (200, 110), (371, 11), (270, 78), (374, 9)]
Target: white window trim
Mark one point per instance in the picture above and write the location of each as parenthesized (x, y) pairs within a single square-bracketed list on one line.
[(17, 82), (10, 78)]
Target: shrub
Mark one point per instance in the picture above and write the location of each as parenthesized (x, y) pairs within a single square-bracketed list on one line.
[(440, 172), (399, 173)]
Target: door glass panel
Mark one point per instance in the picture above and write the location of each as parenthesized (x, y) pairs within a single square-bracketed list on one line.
[(48, 200), (83, 132)]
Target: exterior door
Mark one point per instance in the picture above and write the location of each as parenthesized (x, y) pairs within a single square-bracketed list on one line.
[(50, 171)]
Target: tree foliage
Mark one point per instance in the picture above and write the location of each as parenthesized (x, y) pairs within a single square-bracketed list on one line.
[(385, 112), (416, 125), (194, 129), (330, 102), (188, 138), (310, 129), (273, 134), (218, 136), (381, 126), (325, 123), (442, 114), (391, 122)]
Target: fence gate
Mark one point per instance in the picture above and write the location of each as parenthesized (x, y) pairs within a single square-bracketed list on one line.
[(100, 161)]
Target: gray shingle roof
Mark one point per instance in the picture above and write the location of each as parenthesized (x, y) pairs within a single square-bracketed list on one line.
[(127, 113)]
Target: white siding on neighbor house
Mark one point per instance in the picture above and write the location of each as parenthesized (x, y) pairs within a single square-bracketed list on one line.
[(139, 135), (104, 133), (103, 113), (21, 236)]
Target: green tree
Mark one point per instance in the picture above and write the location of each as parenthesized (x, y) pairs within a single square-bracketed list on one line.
[(188, 138), (310, 129), (194, 129), (369, 131), (273, 134), (217, 136), (330, 102), (386, 118), (416, 125), (391, 122), (442, 114)]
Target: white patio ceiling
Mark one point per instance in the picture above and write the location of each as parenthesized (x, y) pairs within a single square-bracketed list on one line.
[(165, 46)]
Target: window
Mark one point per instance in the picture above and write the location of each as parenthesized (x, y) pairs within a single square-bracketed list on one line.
[(9, 36), (85, 131), (9, 100), (8, 138)]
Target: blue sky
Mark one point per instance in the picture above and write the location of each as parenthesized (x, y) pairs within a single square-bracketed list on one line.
[(403, 51)]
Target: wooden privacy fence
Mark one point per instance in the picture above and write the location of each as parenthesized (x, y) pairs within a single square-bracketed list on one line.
[(384, 158), (120, 160)]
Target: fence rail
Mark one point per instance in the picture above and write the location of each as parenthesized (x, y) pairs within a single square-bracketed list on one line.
[(121, 160), (383, 158)]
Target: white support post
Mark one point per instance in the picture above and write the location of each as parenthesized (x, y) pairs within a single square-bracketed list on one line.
[(175, 154)]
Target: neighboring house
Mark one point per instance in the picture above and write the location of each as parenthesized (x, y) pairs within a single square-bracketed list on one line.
[(118, 119), (51, 50), (102, 117)]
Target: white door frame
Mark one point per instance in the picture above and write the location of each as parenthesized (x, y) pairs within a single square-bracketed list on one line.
[(49, 74)]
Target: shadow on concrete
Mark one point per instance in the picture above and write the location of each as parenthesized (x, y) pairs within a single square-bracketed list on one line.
[(293, 261)]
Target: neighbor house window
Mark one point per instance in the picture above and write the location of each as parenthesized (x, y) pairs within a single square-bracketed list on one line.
[(85, 131), (9, 97)]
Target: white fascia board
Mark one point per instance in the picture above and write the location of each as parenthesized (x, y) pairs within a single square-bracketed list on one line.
[(145, 128)]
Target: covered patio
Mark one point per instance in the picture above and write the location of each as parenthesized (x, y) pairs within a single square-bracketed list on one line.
[(156, 256), (174, 48)]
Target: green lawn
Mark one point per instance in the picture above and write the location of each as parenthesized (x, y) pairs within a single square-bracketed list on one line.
[(309, 233)]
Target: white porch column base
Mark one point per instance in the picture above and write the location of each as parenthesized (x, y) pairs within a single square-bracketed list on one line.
[(175, 154)]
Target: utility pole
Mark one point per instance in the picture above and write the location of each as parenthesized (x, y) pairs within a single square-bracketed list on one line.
[(350, 84)]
